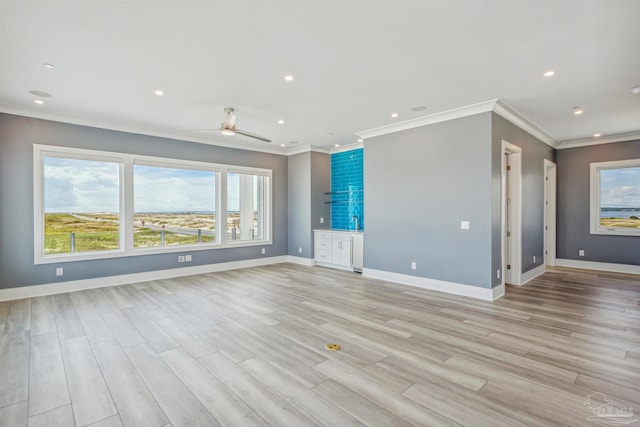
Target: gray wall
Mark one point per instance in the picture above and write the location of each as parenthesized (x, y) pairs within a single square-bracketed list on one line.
[(419, 184), (534, 152), (17, 136), (309, 179), (320, 184), (300, 205), (573, 206)]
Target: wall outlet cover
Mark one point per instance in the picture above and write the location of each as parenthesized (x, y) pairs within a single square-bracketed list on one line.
[(187, 258), (413, 265), (59, 271), (264, 251)]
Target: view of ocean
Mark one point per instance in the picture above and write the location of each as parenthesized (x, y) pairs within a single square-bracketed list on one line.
[(619, 213)]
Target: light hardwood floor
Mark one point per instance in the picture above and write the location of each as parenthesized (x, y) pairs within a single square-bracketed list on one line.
[(247, 347)]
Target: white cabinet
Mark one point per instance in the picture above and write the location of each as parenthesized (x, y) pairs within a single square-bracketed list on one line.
[(341, 249), (336, 248), (322, 246)]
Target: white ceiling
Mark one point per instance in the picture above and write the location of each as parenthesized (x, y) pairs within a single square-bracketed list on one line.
[(354, 64)]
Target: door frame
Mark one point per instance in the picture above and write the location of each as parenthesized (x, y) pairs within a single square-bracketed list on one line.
[(515, 185), (550, 201)]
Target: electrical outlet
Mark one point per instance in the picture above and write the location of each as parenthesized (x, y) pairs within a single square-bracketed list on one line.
[(581, 252), (59, 271), (181, 258), (264, 251), (534, 259), (413, 265), (299, 250), (187, 258), (497, 273), (321, 220), (464, 225)]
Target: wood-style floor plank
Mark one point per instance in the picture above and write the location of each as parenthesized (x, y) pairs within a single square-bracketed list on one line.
[(47, 378), (247, 347), (14, 368), (135, 404), (90, 396)]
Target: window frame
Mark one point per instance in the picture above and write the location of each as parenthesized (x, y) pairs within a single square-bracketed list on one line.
[(126, 227), (594, 198)]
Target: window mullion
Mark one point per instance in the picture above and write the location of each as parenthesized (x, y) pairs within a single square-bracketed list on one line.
[(126, 213)]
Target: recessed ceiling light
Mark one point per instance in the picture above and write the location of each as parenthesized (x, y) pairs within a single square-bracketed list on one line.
[(394, 115), (360, 139), (417, 109), (549, 73), (288, 78), (48, 66), (40, 93), (280, 122), (597, 135), (636, 90), (282, 145), (577, 111), (39, 101), (336, 145), (158, 92)]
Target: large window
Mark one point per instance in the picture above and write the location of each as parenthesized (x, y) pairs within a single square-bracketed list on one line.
[(173, 206), (91, 204), (615, 197), (81, 204)]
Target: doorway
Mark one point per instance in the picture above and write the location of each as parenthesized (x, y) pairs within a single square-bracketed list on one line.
[(511, 213), (550, 174)]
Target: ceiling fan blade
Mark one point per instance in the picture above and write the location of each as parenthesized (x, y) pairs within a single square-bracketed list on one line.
[(252, 135)]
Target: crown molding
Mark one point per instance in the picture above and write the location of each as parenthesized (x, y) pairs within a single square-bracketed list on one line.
[(495, 105), (354, 146), (598, 141), (8, 109), (443, 116), (305, 149), (510, 114)]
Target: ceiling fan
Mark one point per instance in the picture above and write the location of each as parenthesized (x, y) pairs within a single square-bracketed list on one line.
[(228, 127)]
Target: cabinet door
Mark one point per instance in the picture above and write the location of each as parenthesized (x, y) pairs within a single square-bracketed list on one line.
[(345, 255), (336, 251), (341, 252)]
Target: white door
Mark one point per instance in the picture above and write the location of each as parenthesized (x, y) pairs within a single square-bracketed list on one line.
[(508, 216)]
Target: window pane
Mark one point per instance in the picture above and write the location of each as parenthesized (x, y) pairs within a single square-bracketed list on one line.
[(246, 207), (81, 205), (620, 197), (173, 206)]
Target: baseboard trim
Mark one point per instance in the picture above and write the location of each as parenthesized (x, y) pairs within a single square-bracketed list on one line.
[(532, 274), (603, 266), (101, 282), (436, 285), (302, 261)]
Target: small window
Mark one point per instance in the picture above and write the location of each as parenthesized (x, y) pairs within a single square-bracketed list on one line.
[(615, 198), (173, 206), (247, 207)]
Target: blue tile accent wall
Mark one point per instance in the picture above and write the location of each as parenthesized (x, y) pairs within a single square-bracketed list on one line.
[(347, 198)]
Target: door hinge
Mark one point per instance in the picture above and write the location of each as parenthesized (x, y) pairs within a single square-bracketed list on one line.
[(508, 266), (508, 234), (546, 228), (546, 253), (546, 178), (508, 167)]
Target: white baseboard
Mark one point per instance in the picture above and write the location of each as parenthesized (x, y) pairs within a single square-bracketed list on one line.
[(302, 261), (603, 266), (100, 282), (436, 285), (532, 274)]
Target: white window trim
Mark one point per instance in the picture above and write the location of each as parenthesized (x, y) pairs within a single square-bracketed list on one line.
[(127, 161), (594, 196)]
